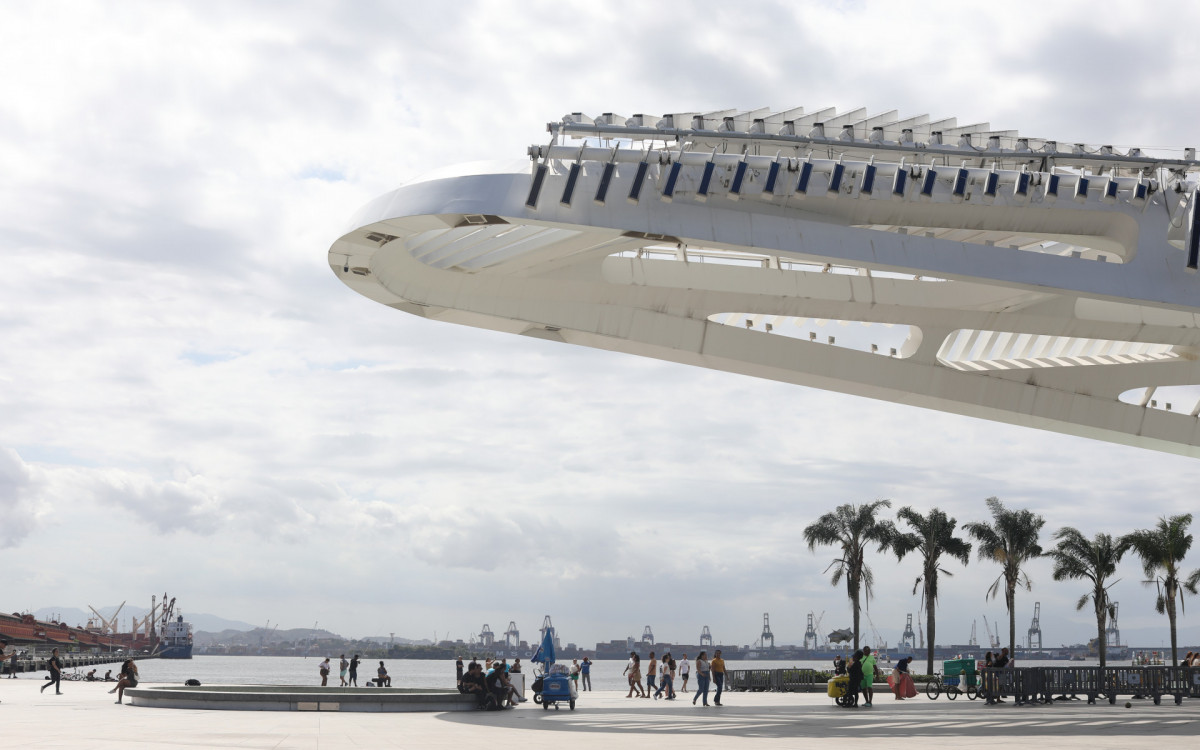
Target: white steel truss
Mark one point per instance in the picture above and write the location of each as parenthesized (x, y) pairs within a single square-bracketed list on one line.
[(1012, 278)]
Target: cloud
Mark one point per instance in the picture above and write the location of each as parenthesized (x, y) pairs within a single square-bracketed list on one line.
[(20, 505)]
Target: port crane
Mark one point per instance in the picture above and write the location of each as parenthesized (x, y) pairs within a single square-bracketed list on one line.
[(108, 624), (706, 637), (1035, 628), (512, 636), (812, 641), (1112, 634), (974, 639), (908, 638), (767, 635), (648, 636), (486, 636), (993, 640)]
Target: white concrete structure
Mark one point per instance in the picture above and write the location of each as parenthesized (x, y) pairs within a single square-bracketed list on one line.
[(963, 269)]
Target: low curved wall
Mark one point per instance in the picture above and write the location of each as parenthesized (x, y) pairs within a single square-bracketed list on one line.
[(298, 698)]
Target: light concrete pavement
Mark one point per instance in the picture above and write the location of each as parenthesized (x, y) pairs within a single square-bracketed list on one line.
[(86, 717)]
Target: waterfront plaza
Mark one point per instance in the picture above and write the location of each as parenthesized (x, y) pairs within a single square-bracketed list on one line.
[(85, 716)]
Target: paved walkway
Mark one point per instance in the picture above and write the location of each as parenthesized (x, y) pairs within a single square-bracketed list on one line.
[(86, 717)]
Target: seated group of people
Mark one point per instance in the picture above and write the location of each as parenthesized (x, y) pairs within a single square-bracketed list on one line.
[(494, 682)]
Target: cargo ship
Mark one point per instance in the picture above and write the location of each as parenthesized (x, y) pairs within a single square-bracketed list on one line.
[(176, 641)]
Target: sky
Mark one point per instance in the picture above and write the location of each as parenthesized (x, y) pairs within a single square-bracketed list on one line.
[(191, 402)]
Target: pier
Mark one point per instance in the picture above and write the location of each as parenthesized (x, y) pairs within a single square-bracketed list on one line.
[(70, 661)]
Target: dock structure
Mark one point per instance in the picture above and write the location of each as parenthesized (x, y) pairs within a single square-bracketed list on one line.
[(38, 663)]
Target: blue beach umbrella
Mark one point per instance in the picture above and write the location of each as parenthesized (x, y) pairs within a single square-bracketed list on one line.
[(545, 652)]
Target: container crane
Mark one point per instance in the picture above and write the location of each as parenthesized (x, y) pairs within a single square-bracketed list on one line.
[(767, 635)]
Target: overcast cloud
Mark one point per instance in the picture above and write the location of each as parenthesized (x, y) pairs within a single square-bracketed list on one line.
[(190, 401)]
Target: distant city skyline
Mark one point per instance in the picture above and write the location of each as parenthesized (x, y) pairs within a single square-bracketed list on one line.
[(191, 402)]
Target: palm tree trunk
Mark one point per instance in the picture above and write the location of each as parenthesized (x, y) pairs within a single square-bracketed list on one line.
[(1101, 626), (1010, 599), (929, 626), (1171, 620), (854, 590)]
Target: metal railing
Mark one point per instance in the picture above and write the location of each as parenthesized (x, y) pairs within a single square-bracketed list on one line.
[(1025, 686), (774, 680)]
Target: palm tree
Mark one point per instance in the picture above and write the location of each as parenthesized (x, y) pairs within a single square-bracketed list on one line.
[(1163, 549), (852, 528), (932, 536), (1076, 558), (1011, 541)]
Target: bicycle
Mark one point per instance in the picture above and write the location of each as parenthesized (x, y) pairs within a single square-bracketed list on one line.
[(951, 686)]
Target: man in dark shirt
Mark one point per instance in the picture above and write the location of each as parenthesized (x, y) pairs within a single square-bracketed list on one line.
[(1000, 663), (55, 665), (472, 682), (855, 672), (1002, 660), (354, 671), (496, 685)]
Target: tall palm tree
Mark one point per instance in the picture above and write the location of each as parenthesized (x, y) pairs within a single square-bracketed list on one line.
[(852, 528), (1011, 540), (932, 536), (1162, 549), (1076, 558)]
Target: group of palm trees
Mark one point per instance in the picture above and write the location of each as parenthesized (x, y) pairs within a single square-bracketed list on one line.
[(1011, 541)]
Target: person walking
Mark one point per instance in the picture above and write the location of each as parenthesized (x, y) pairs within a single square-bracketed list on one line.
[(868, 675), (685, 667), (324, 667), (354, 671), (666, 680), (55, 665), (702, 673), (634, 669), (585, 673), (651, 674), (718, 674), (342, 667)]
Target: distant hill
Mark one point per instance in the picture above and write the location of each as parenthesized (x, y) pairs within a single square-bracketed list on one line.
[(76, 616)]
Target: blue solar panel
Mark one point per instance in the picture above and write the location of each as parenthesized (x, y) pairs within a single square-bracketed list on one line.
[(668, 193), (805, 175), (928, 182), (706, 180), (1021, 188), (605, 180), (868, 180), (739, 174), (569, 188), (535, 187), (639, 179), (959, 189), (1081, 189), (772, 177), (835, 178)]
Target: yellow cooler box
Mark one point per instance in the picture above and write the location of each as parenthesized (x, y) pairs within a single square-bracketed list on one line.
[(837, 686)]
